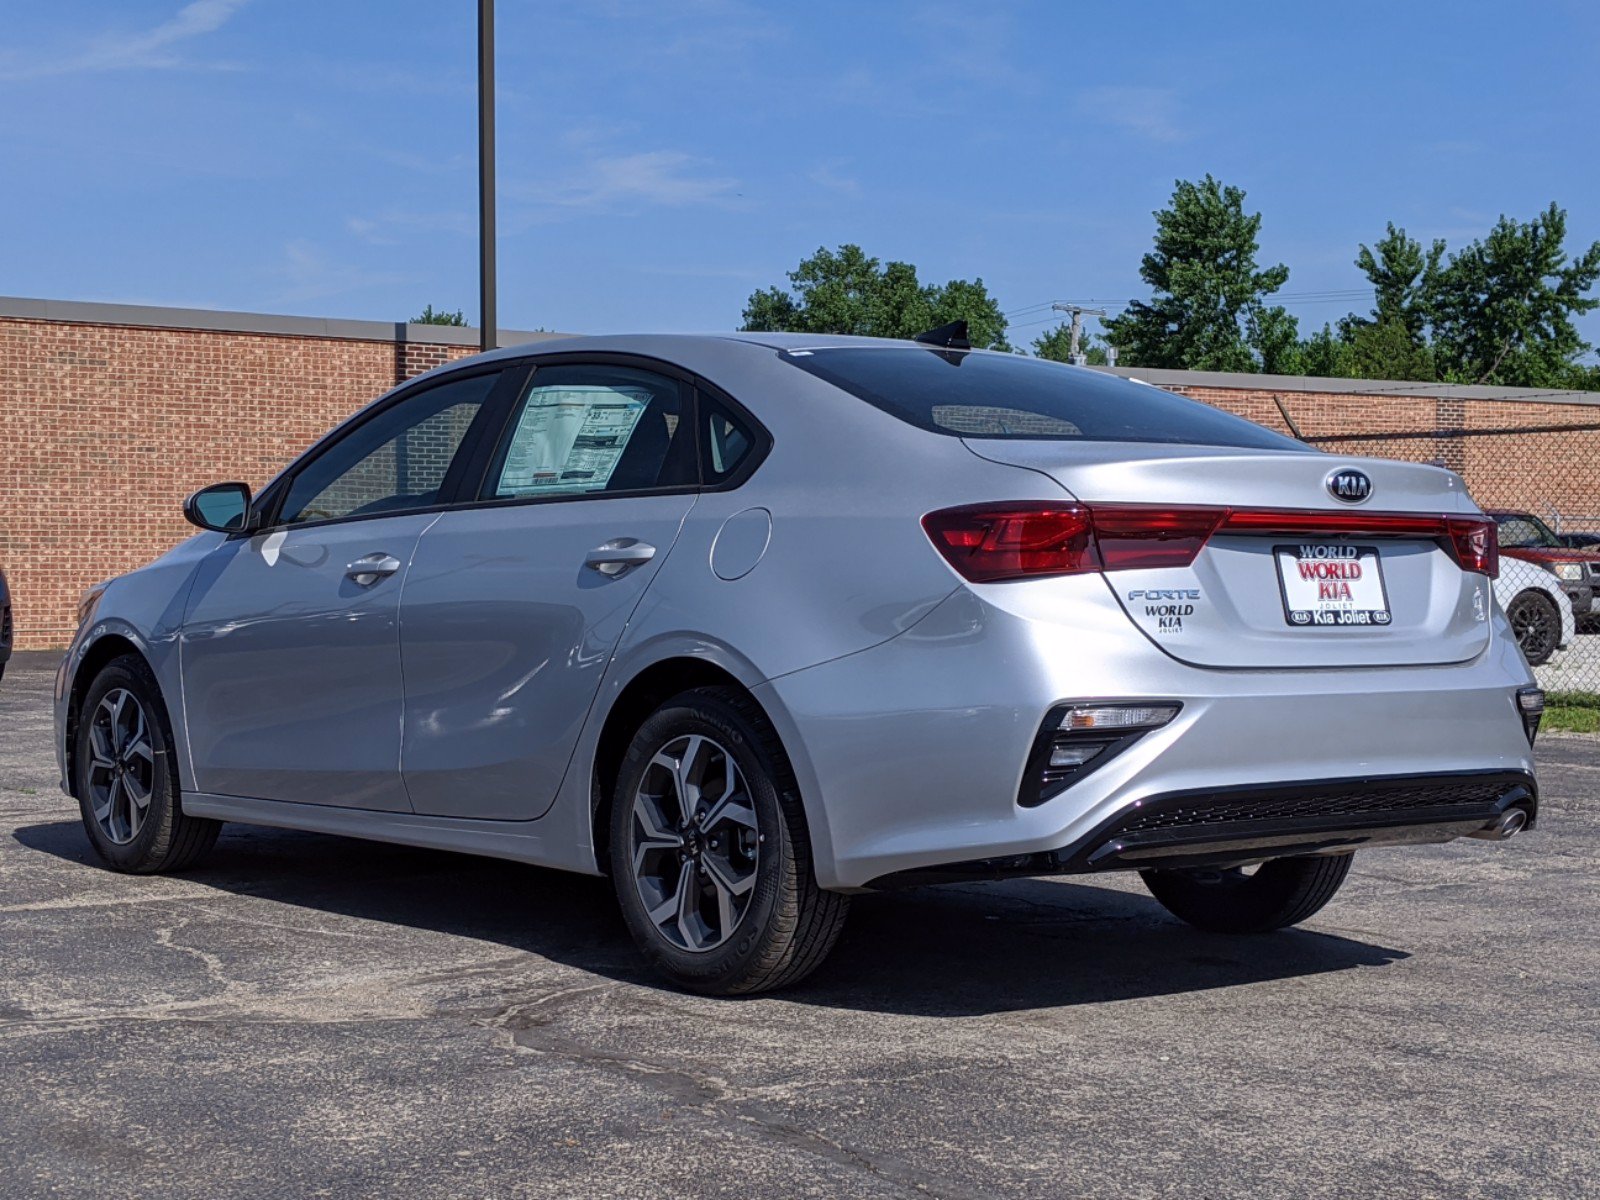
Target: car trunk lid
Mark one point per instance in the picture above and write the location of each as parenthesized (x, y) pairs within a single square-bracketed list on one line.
[(1290, 575)]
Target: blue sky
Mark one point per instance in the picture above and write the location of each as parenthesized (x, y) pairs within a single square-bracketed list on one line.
[(660, 160)]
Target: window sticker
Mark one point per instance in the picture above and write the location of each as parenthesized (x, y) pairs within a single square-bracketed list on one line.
[(570, 439)]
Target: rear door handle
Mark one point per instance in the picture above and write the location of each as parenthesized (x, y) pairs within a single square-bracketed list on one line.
[(367, 571), (619, 554)]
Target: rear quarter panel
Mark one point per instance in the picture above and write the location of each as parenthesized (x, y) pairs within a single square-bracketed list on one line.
[(846, 565)]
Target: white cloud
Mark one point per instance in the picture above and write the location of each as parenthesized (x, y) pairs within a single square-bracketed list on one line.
[(152, 49), (828, 175), (654, 178), (1149, 112), (743, 274), (392, 226), (307, 274)]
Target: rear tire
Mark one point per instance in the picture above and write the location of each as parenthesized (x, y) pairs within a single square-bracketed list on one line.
[(1536, 623), (1282, 892), (126, 779), (717, 889)]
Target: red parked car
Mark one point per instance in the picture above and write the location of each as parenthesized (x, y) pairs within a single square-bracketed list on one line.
[(1523, 535)]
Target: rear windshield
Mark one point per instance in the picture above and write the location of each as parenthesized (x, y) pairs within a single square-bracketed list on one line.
[(1011, 396)]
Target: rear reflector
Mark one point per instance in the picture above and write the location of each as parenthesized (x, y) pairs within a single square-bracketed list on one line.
[(1078, 738), (987, 543), (1530, 704)]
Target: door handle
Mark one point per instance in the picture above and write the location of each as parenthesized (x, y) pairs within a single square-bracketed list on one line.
[(619, 554), (367, 571)]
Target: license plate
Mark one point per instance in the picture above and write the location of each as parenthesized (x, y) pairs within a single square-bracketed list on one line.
[(1328, 583)]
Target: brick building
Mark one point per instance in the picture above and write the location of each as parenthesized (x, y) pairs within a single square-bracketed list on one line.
[(111, 414)]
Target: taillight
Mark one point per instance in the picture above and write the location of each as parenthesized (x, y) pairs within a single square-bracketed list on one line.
[(990, 542), (986, 543), (1476, 544), (1133, 536)]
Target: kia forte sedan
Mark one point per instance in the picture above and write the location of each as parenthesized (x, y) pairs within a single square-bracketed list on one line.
[(751, 623)]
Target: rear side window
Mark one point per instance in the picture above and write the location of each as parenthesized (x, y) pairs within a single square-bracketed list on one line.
[(582, 429), (726, 441), (977, 395)]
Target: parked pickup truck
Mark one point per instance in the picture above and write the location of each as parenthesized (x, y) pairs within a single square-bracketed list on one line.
[(1525, 536)]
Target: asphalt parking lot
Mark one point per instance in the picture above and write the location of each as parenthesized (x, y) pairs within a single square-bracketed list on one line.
[(309, 1016)]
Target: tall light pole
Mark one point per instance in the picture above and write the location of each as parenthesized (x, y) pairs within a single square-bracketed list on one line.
[(488, 320)]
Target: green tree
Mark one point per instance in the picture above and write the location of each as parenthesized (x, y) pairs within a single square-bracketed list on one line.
[(1502, 308), (1391, 342), (429, 317), (1388, 350), (1275, 336), (845, 291), (1207, 309), (1403, 276), (1326, 354)]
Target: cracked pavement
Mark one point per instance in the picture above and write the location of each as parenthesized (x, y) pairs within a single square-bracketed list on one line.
[(312, 1016)]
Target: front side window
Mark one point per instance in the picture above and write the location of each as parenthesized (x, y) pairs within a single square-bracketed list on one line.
[(579, 430), (395, 462), (978, 395)]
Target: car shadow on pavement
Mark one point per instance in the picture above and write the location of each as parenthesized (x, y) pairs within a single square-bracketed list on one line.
[(939, 951)]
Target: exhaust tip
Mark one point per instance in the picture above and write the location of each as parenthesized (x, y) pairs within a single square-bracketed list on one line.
[(1507, 825)]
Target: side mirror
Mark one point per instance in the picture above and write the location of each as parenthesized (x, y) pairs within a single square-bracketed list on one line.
[(223, 507)]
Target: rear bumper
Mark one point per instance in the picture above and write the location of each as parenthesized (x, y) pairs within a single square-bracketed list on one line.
[(912, 755)]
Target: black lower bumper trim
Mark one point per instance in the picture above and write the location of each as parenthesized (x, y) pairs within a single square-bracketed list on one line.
[(1212, 826)]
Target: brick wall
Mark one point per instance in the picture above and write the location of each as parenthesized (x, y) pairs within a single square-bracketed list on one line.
[(105, 429), (107, 424), (1556, 475)]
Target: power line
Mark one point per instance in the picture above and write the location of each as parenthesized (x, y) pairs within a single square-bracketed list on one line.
[(1028, 308), (1303, 297)]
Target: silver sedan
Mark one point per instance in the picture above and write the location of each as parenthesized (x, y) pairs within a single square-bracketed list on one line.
[(754, 622)]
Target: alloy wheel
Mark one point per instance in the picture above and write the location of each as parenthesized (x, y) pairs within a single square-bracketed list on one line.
[(696, 843), (122, 766), (1534, 629)]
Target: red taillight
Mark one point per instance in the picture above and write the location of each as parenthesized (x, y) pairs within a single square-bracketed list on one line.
[(989, 542), (1132, 536), (1009, 540), (1476, 544)]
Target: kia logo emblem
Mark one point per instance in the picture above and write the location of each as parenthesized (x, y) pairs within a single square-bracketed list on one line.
[(1349, 485)]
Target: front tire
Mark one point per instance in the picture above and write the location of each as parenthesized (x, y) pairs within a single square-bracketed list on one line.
[(125, 780), (1281, 892), (709, 852)]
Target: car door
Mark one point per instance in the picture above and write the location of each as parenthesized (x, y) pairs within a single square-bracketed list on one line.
[(514, 604), (290, 651)]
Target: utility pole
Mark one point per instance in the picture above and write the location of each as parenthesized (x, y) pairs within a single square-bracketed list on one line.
[(488, 319), (1078, 312)]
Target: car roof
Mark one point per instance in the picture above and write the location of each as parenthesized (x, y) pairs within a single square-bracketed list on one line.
[(665, 344)]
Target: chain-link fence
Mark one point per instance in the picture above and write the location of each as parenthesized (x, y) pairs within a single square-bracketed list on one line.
[(1542, 483)]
